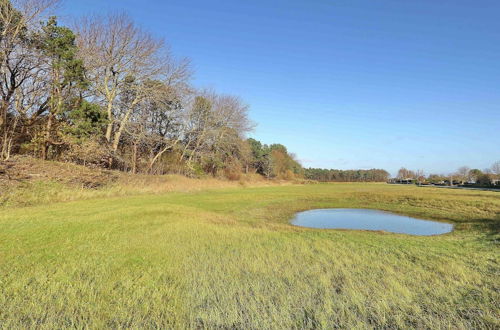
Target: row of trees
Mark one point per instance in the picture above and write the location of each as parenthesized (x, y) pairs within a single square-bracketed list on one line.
[(107, 93), (485, 177), (461, 176), (325, 175)]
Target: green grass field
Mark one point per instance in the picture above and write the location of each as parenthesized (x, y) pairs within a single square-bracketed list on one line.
[(228, 258)]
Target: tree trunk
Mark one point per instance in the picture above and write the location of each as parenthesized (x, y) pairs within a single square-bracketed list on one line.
[(134, 159), (4, 125), (8, 140), (110, 96), (109, 130), (118, 134), (46, 142), (3, 132), (158, 155)]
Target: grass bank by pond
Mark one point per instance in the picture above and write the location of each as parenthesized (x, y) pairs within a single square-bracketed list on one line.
[(229, 259)]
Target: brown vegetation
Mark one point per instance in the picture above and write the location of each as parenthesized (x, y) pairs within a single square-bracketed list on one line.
[(28, 181)]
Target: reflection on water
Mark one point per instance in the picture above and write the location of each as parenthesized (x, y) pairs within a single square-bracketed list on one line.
[(364, 219)]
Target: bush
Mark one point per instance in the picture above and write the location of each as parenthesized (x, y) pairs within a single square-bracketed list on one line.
[(233, 172), (89, 152)]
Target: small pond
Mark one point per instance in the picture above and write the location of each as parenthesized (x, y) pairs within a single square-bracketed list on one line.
[(365, 219)]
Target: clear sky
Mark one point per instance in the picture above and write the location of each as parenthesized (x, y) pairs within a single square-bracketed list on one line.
[(346, 83)]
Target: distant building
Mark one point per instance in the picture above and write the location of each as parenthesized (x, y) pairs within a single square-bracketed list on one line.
[(402, 181)]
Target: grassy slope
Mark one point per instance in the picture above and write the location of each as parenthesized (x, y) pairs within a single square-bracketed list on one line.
[(26, 181), (228, 259)]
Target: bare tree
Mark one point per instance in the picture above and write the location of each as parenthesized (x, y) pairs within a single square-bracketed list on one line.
[(19, 64), (215, 125), (420, 176), (159, 124), (463, 173), (495, 168), (404, 173), (121, 60), (198, 122)]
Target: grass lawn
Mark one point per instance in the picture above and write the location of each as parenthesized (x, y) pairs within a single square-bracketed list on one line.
[(228, 258)]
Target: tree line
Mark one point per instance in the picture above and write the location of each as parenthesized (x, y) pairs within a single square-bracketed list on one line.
[(105, 92), (463, 175), (326, 175)]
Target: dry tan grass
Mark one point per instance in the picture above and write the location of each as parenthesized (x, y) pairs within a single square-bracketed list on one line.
[(26, 181)]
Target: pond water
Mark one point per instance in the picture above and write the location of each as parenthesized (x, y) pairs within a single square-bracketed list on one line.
[(365, 219)]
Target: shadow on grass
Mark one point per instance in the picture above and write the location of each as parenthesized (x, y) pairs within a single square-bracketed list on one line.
[(489, 229)]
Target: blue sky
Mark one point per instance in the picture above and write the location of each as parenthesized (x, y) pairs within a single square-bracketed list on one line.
[(346, 83)]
